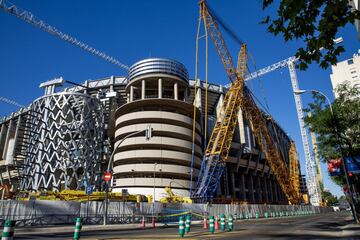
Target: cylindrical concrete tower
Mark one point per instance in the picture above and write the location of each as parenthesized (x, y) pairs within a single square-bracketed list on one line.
[(157, 90)]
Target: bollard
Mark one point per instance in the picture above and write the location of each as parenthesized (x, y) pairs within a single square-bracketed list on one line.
[(211, 224), (235, 217), (153, 222), (187, 224), (8, 232), (241, 216), (143, 222), (205, 223), (257, 215), (216, 223), (181, 226), (266, 214), (247, 216), (77, 228), (222, 222), (230, 223), (287, 214)]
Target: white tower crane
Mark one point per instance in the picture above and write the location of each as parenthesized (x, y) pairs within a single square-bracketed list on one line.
[(32, 19), (312, 183), (12, 102)]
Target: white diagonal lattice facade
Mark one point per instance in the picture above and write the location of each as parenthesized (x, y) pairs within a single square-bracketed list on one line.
[(64, 147)]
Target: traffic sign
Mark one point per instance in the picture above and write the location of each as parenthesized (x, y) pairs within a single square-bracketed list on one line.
[(107, 176), (89, 190)]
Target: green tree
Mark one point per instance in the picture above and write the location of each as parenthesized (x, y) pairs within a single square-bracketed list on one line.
[(338, 133), (329, 198), (316, 22)]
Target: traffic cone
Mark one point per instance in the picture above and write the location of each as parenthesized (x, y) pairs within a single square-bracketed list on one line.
[(205, 223), (153, 223), (216, 223), (143, 222)]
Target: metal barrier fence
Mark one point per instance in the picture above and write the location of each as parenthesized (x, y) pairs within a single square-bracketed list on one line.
[(43, 212)]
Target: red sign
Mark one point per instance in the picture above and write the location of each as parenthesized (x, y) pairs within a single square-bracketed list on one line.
[(107, 176)]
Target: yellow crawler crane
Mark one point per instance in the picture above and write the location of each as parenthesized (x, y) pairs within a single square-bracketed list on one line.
[(221, 138), (172, 198)]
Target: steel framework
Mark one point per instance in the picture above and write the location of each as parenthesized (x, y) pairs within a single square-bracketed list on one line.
[(63, 149)]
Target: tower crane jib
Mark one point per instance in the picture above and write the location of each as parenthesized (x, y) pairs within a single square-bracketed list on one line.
[(33, 20)]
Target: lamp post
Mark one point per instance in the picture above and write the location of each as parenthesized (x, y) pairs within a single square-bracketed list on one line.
[(153, 203), (154, 186), (298, 92), (148, 135)]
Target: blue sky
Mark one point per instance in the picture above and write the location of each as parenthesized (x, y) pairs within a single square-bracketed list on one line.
[(133, 30)]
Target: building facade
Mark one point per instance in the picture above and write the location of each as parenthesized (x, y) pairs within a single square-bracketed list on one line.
[(346, 71), (159, 92)]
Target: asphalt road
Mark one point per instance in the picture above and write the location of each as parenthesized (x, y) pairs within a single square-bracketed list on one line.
[(322, 226)]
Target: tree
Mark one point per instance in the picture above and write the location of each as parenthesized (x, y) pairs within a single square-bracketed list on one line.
[(314, 22), (338, 134), (329, 198)]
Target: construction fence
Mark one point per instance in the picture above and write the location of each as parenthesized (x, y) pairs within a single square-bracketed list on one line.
[(45, 212)]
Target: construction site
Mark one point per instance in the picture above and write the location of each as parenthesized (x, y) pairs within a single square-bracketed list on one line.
[(154, 134)]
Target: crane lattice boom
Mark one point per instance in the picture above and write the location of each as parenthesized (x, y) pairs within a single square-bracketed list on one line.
[(12, 102), (220, 141), (31, 19)]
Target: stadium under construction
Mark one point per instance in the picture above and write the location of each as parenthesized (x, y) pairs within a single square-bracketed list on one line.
[(64, 139), (202, 141)]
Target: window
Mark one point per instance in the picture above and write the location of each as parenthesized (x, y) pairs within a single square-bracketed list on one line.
[(350, 61)]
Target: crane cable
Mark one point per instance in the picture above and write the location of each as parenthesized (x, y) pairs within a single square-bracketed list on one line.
[(239, 41), (194, 103), (206, 86), (262, 90), (221, 23)]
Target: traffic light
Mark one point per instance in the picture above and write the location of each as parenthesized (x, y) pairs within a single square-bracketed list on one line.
[(351, 177), (334, 167), (148, 132)]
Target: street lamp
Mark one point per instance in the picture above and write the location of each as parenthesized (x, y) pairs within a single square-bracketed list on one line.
[(154, 187), (153, 203), (148, 135), (298, 92)]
